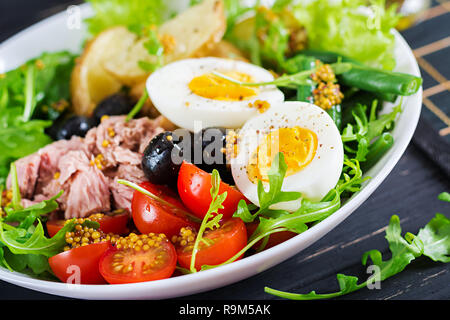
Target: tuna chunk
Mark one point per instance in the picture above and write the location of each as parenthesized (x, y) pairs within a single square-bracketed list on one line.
[(38, 169), (87, 169), (123, 195)]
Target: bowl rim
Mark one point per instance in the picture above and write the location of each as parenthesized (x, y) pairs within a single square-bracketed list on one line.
[(249, 266)]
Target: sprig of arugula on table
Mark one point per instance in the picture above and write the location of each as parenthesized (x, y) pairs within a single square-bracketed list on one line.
[(432, 241)]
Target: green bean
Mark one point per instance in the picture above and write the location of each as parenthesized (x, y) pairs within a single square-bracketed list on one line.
[(335, 113), (381, 81), (377, 149), (326, 56), (370, 79), (302, 63), (305, 92)]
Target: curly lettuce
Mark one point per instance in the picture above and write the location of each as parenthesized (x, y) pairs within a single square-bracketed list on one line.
[(359, 29), (134, 14)]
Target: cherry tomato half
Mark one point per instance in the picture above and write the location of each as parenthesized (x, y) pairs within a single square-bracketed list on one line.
[(146, 264), (116, 223), (53, 226), (150, 215), (224, 243), (194, 186), (274, 238), (80, 265)]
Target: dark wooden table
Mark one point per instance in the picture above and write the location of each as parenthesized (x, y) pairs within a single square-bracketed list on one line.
[(410, 191)]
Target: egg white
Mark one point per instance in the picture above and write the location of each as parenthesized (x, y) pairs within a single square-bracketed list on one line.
[(168, 89), (316, 179)]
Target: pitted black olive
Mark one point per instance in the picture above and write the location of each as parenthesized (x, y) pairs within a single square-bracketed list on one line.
[(73, 126), (114, 105), (212, 143), (164, 154)]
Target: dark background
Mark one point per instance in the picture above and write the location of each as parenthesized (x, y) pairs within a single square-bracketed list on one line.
[(410, 191)]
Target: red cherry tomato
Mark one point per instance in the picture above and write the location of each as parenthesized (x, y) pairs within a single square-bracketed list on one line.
[(116, 224), (130, 265), (274, 238), (80, 265), (194, 186), (150, 215), (225, 242), (53, 226)]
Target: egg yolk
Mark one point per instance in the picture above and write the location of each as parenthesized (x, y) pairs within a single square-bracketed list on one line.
[(213, 87), (298, 145)]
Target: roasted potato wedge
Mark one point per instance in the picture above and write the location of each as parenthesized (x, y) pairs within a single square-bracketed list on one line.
[(111, 59), (90, 82), (181, 38), (201, 26), (223, 49), (124, 56)]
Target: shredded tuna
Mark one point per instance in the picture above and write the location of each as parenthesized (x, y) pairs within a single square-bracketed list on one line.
[(87, 169)]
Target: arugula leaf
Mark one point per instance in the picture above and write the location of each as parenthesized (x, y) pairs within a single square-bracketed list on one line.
[(15, 202), (155, 49), (288, 80), (365, 139), (296, 221), (31, 97), (234, 10), (274, 195), (363, 148), (19, 241), (209, 221), (38, 264), (432, 241), (383, 122), (444, 196), (436, 238), (28, 216)]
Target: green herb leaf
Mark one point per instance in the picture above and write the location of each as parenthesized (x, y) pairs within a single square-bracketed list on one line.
[(20, 243), (432, 241), (340, 26), (34, 211), (435, 237), (274, 194), (444, 196), (211, 219), (383, 122), (288, 80), (134, 14)]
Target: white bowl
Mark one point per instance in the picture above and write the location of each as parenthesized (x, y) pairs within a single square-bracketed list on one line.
[(54, 34)]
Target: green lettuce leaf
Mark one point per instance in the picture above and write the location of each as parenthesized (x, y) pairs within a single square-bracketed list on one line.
[(342, 26), (31, 97), (436, 238), (134, 14), (19, 241)]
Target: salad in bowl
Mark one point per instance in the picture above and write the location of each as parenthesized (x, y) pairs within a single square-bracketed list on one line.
[(177, 143)]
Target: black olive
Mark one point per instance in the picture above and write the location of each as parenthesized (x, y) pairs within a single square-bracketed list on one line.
[(213, 144), (114, 105), (73, 126), (164, 154)]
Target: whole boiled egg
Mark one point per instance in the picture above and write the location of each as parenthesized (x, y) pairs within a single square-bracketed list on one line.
[(192, 96), (311, 145)]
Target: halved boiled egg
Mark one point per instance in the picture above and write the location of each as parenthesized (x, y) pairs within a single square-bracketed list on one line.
[(311, 145), (192, 96)]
